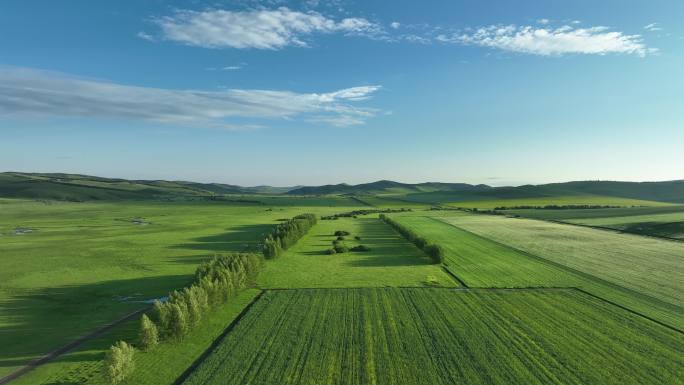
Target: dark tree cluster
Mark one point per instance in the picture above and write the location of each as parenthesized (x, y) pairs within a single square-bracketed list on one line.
[(287, 234), (355, 213), (434, 251)]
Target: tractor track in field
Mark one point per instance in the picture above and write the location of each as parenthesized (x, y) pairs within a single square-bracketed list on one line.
[(68, 347)]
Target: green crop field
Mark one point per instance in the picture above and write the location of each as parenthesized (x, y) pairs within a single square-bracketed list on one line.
[(554, 200), (391, 260), (481, 262), (70, 267), (441, 336), (649, 266), (666, 221)]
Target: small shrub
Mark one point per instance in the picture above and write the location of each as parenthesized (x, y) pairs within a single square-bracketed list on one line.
[(336, 242), (119, 362), (341, 249), (341, 233), (331, 251), (360, 248), (357, 238), (340, 238), (431, 280)]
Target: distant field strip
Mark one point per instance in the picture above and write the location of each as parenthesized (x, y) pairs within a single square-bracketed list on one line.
[(441, 336), (655, 221), (650, 266), (482, 262)]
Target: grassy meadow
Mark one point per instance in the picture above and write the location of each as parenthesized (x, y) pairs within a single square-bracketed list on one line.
[(391, 260), (85, 264), (441, 336)]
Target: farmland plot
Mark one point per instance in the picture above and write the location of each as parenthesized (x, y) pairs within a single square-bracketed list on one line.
[(390, 260), (441, 336), (481, 262), (646, 265)]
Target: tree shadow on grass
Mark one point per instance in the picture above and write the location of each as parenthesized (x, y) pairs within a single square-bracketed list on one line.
[(36, 322), (238, 238), (387, 248)]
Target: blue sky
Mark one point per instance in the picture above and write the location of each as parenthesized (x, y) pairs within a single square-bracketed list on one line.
[(313, 92)]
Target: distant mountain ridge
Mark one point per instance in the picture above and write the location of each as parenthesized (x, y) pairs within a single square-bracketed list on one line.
[(385, 186), (75, 187)]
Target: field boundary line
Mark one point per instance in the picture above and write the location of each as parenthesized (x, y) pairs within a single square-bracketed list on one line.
[(207, 352), (673, 328), (525, 288), (454, 276), (68, 347), (604, 228), (591, 277), (571, 270)]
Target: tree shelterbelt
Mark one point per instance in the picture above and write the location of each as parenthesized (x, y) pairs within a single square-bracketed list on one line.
[(433, 250), (287, 234)]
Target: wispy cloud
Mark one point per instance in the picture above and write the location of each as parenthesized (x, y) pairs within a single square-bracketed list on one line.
[(32, 93), (233, 67), (552, 41), (653, 27), (145, 36), (259, 29)]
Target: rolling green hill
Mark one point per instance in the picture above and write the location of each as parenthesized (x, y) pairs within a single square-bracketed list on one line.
[(74, 187)]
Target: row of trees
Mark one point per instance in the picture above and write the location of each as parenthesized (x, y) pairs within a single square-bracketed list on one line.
[(287, 234), (434, 251), (214, 283)]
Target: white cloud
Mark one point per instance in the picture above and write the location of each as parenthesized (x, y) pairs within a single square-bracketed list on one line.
[(543, 21), (552, 41), (145, 36), (653, 27), (32, 93), (395, 25), (260, 29)]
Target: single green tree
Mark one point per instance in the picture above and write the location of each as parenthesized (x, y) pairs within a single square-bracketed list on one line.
[(178, 323), (119, 362), (149, 335)]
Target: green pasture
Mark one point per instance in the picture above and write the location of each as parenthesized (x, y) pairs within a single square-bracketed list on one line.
[(391, 260), (163, 364), (68, 268)]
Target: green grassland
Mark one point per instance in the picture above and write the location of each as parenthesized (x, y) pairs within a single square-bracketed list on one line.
[(441, 336), (86, 264), (390, 201), (482, 262), (162, 364), (68, 268), (391, 260)]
